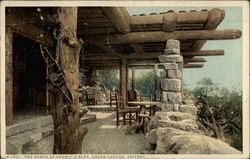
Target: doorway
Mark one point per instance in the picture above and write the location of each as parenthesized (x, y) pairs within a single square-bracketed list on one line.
[(29, 77)]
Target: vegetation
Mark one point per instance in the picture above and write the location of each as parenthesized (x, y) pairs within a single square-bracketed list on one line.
[(109, 78), (145, 83), (219, 111)]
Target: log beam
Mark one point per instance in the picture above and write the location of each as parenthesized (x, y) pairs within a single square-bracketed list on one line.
[(135, 61), (117, 18), (187, 17), (204, 53), (169, 22), (125, 14), (94, 57), (147, 66), (214, 18), (193, 65), (160, 36), (197, 59)]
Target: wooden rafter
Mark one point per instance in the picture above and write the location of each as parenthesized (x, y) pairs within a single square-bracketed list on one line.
[(193, 65), (195, 59), (117, 18)]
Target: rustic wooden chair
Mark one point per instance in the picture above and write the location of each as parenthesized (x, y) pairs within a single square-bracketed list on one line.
[(140, 124), (112, 97), (90, 99), (123, 113)]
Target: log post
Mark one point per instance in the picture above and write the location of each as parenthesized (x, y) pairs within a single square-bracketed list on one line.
[(9, 76), (123, 78), (68, 134), (133, 79)]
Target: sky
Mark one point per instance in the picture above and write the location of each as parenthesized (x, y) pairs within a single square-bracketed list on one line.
[(225, 71)]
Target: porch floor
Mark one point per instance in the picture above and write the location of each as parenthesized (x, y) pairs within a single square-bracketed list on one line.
[(104, 137)]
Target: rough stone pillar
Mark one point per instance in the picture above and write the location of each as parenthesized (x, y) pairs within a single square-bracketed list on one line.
[(170, 83), (9, 76)]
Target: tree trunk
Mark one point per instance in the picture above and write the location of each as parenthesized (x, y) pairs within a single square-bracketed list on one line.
[(68, 134)]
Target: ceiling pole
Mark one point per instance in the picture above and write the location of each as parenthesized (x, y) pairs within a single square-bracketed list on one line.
[(123, 78), (133, 79)]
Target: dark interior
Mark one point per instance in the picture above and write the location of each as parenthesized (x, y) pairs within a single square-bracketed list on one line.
[(29, 83)]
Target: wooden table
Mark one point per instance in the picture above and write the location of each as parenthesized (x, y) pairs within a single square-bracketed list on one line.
[(146, 104)]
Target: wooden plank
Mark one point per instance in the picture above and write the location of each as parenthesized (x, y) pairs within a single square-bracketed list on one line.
[(193, 65), (9, 76), (160, 36), (197, 59), (117, 18), (24, 28)]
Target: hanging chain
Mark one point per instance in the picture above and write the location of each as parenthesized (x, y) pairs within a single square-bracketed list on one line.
[(58, 35)]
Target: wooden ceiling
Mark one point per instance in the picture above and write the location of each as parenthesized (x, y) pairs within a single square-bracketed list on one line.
[(111, 33)]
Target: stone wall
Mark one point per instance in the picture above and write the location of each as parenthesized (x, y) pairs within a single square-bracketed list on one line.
[(174, 129)]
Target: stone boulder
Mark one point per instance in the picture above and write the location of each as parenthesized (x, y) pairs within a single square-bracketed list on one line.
[(171, 85), (188, 109), (175, 141), (174, 97), (170, 58), (174, 74), (186, 100), (170, 66), (186, 125), (174, 116), (151, 136)]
